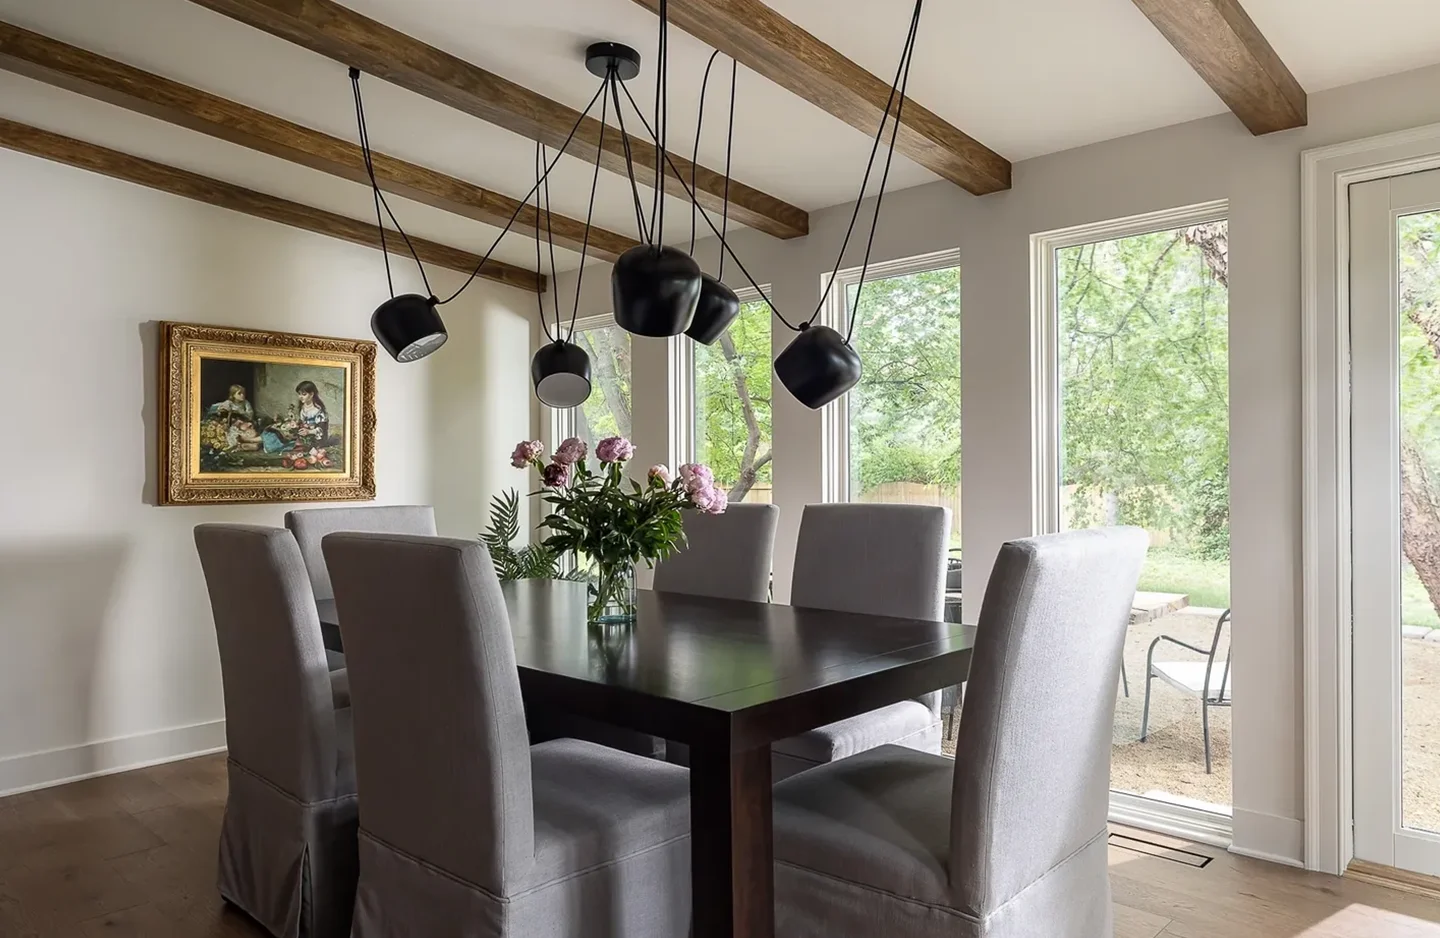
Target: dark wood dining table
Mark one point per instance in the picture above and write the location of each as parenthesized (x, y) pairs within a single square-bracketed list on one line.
[(726, 678)]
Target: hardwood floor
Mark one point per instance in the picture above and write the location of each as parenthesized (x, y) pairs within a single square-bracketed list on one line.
[(134, 854)]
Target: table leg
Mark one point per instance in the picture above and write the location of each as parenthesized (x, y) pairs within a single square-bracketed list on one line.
[(732, 869)]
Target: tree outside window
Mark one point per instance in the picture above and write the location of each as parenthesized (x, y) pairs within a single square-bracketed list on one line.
[(732, 405), (904, 415), (607, 411)]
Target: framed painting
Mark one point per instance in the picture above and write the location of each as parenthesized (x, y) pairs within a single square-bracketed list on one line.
[(251, 416)]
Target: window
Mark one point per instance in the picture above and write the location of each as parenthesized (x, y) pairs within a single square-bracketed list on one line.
[(1136, 431), (607, 411), (731, 403), (896, 436)]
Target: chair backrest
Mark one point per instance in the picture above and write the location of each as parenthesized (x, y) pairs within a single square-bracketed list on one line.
[(442, 756), (1220, 669), (884, 560), (726, 556), (1032, 763), (279, 714), (312, 524)]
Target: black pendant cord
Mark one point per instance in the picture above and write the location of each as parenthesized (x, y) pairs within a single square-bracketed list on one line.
[(549, 239), (662, 122), (906, 59), (729, 149), (522, 203), (615, 86), (900, 72), (589, 216), (380, 196), (539, 292), (695, 152)]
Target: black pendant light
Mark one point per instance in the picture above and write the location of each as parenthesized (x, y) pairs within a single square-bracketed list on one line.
[(409, 326), (561, 374), (818, 366), (716, 310), (655, 288)]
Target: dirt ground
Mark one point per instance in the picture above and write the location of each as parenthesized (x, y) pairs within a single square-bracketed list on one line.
[(1171, 762)]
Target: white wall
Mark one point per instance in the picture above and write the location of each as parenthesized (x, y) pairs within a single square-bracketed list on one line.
[(1186, 164), (107, 651)]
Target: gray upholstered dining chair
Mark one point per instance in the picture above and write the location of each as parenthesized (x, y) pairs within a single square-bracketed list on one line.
[(287, 844), (884, 560), (1008, 840), (310, 525), (726, 556), (467, 828)]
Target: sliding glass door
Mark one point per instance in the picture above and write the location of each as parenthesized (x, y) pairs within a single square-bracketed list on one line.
[(1395, 485)]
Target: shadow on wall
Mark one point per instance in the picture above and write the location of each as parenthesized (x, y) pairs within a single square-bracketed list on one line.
[(54, 602), (149, 372)]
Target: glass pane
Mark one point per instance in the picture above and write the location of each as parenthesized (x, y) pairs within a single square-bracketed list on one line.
[(607, 411), (732, 405), (1144, 440), (1418, 249), (905, 412)]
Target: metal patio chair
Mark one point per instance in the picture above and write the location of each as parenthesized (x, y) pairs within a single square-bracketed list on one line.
[(1198, 678)]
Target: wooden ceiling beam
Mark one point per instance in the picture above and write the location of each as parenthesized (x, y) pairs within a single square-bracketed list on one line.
[(65, 66), (51, 146), (340, 33), (766, 42), (1222, 43)]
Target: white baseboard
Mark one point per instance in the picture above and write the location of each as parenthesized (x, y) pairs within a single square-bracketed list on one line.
[(1177, 820), (1269, 837), (35, 770)]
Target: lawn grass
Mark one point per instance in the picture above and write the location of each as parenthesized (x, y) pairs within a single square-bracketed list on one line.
[(1206, 582)]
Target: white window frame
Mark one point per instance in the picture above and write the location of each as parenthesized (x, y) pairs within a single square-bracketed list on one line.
[(682, 386), (1045, 337), (835, 416), (1168, 817), (560, 422)]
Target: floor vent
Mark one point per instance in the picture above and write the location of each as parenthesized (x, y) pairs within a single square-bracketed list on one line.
[(1163, 851)]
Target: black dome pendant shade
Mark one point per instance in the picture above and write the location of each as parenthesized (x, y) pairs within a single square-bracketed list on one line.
[(655, 289), (818, 366), (561, 372), (716, 310), (409, 326)]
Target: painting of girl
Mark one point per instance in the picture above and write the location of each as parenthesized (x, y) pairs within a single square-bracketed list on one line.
[(307, 424)]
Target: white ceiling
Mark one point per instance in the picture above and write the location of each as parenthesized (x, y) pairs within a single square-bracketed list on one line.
[(1025, 77)]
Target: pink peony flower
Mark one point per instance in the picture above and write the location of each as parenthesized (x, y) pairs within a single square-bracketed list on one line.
[(525, 451), (571, 451), (555, 475), (614, 449), (661, 473), (710, 500), (696, 476)]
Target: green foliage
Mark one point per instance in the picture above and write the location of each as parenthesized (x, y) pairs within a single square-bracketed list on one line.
[(613, 520), (1144, 382), (905, 413), (1205, 581), (531, 562)]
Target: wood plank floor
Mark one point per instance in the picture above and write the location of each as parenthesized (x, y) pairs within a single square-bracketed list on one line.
[(134, 854)]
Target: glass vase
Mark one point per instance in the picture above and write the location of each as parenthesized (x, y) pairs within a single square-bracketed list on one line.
[(612, 594)]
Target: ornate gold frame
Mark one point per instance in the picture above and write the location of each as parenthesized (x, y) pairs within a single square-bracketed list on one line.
[(181, 482)]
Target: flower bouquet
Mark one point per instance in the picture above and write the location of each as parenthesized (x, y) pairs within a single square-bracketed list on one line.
[(611, 523)]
